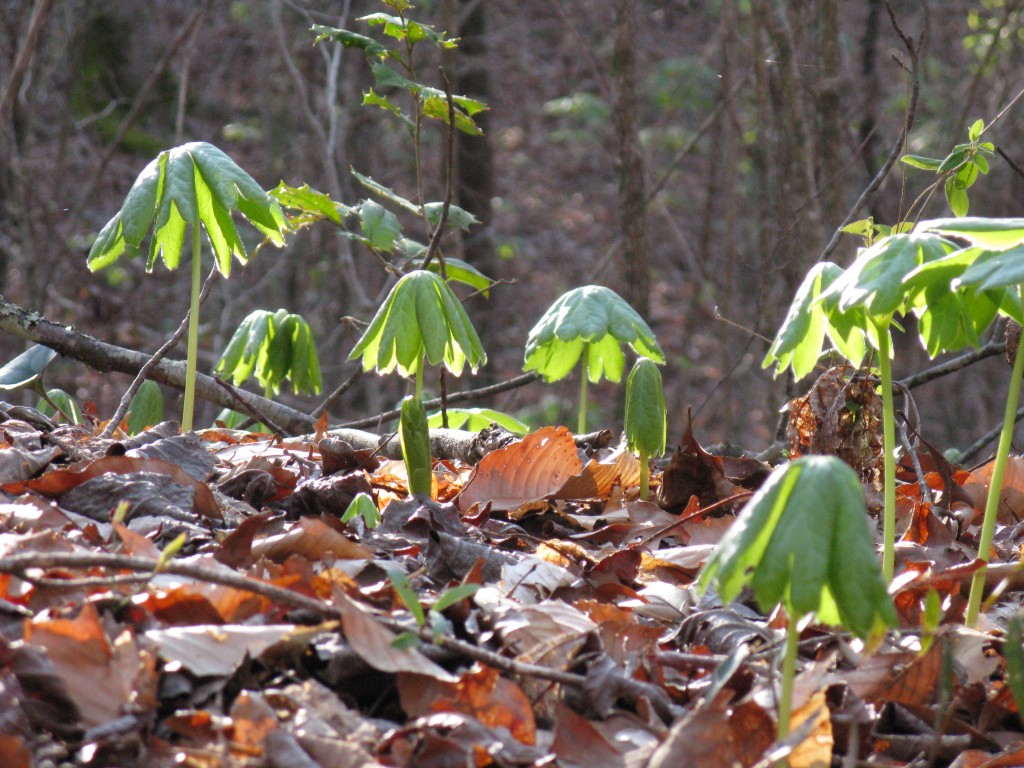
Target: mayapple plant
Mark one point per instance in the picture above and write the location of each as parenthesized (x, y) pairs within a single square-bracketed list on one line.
[(274, 347), (195, 185), (589, 323), (803, 542), (420, 322), (646, 421)]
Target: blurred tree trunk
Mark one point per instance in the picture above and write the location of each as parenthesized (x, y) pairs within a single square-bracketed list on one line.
[(474, 159), (632, 203), (827, 90)]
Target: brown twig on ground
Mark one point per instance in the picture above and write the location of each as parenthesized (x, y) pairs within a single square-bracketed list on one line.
[(102, 356), (21, 564)]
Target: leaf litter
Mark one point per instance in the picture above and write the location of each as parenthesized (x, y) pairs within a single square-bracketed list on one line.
[(196, 600)]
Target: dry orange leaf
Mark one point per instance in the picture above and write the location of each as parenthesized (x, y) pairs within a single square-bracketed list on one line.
[(525, 471)]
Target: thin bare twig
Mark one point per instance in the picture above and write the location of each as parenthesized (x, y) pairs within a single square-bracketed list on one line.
[(250, 409), (28, 46), (956, 364), (876, 182), (458, 397)]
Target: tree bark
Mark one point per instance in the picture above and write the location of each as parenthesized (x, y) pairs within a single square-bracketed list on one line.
[(632, 198)]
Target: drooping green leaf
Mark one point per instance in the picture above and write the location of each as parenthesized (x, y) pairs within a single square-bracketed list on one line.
[(800, 339), (373, 99), (274, 347), (476, 419), (195, 184), (26, 368), (994, 269), (875, 280), (597, 317), (924, 163), (420, 304), (646, 419), (146, 408), (379, 225), (959, 202), (803, 540), (349, 40)]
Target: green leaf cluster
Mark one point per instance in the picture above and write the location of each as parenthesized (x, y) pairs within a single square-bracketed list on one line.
[(195, 184), (803, 540), (593, 319), (274, 347), (960, 168), (421, 318)]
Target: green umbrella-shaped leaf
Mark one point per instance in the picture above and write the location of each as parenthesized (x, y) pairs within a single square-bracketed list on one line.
[(803, 540), (645, 422), (274, 347), (595, 316), (26, 368), (195, 184), (875, 280), (421, 317), (995, 269)]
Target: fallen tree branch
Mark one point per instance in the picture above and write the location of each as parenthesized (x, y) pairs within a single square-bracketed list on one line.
[(107, 357)]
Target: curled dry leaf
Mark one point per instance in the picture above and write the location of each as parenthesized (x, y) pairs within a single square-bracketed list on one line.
[(528, 470)]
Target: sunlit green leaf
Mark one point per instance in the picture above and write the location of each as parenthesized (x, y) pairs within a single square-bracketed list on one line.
[(595, 316), (803, 540), (645, 418), (379, 225), (924, 163), (990, 233), (406, 593), (476, 419), (459, 218), (396, 337), (26, 368), (146, 408), (274, 347), (311, 202), (66, 406), (349, 39), (454, 595), (362, 506)]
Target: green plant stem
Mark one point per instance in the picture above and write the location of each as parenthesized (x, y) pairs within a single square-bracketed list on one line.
[(192, 353), (418, 390), (584, 375), (645, 476), (988, 525), (788, 674), (889, 455)]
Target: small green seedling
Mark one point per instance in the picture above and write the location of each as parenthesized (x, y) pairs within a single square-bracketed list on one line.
[(274, 347), (803, 541), (592, 322), (362, 506), (476, 419), (646, 422), (438, 623), (421, 321), (414, 435), (195, 185)]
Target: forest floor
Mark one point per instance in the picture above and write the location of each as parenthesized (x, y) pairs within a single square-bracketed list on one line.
[(197, 600)]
